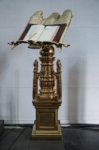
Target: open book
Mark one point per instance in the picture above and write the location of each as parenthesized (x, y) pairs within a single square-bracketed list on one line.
[(43, 33), (48, 30)]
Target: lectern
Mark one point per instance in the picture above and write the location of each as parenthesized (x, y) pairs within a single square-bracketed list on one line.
[(46, 35)]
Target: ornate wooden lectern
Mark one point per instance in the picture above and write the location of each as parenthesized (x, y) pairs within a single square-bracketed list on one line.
[(48, 99), (42, 34)]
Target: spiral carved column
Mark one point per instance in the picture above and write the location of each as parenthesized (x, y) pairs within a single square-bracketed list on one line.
[(48, 98)]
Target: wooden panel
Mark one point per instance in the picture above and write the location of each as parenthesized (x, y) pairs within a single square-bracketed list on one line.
[(46, 119), (1, 126)]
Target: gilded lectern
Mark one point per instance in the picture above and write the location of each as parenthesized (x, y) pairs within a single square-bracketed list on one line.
[(45, 35)]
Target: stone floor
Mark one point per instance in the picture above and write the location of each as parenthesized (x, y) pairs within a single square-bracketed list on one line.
[(74, 138)]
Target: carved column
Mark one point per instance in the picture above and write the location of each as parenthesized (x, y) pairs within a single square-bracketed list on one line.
[(35, 80), (58, 78), (48, 99), (47, 73)]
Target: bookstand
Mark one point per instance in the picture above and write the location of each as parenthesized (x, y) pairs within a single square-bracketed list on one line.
[(48, 98), (43, 33)]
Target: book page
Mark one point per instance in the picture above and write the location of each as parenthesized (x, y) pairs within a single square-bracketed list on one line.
[(34, 33), (48, 33)]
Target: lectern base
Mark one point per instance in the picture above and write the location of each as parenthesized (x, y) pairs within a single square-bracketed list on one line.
[(46, 135)]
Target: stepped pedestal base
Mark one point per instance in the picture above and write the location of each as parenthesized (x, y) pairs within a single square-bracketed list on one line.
[(46, 134)]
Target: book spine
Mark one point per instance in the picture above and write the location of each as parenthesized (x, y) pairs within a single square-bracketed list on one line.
[(59, 33), (25, 32)]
